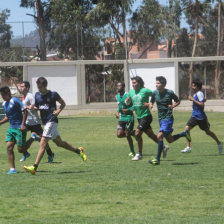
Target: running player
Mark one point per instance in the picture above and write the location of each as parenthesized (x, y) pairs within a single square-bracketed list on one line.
[(198, 116), (45, 101), (164, 99), (16, 114), (126, 118), (33, 122), (139, 96)]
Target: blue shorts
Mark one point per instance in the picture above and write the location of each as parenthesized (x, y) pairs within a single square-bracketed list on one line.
[(166, 126)]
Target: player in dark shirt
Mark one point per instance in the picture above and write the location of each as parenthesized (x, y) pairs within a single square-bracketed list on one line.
[(45, 101)]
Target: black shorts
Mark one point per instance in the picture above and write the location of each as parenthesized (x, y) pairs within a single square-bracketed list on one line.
[(126, 125), (144, 123), (203, 124), (35, 128)]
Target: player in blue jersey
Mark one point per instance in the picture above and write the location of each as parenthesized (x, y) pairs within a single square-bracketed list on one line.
[(16, 114), (126, 118), (45, 101), (198, 116), (166, 101)]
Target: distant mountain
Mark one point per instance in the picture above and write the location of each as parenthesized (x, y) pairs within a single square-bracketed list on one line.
[(30, 40)]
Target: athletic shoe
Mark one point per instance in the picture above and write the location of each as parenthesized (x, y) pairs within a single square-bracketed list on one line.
[(51, 158), (12, 171), (154, 162), (30, 169), (25, 156), (35, 137), (165, 149), (187, 149), (137, 157), (131, 154), (220, 147), (82, 154), (188, 137)]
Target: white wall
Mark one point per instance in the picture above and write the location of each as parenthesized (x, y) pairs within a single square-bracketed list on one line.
[(62, 79), (148, 73)]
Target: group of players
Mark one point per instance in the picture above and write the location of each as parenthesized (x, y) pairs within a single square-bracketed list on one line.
[(23, 117), (138, 100)]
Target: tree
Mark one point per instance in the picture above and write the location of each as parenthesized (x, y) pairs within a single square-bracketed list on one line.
[(148, 25), (42, 19), (114, 14)]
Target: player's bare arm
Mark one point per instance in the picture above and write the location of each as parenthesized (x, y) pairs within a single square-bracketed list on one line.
[(23, 127), (62, 106), (171, 106), (4, 120), (201, 104)]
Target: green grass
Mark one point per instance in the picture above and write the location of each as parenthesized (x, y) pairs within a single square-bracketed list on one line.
[(110, 188)]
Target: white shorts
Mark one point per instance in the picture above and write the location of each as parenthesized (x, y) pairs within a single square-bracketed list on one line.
[(51, 130)]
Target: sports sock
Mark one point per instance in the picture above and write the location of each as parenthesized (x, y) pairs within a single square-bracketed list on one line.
[(35, 166), (49, 151), (182, 134), (160, 149), (132, 149)]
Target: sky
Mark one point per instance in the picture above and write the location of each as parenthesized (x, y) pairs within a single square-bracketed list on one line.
[(18, 15)]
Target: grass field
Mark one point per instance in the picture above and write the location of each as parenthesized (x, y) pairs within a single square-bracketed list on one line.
[(110, 188)]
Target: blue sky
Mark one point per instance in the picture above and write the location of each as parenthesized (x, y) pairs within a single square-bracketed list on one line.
[(18, 14)]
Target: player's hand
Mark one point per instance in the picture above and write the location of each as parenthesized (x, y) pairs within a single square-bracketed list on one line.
[(56, 113), (146, 104), (150, 106), (117, 115), (190, 98), (170, 106), (124, 111), (23, 127)]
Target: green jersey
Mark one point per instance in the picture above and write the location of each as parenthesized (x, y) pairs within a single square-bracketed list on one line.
[(163, 99), (122, 105), (137, 99)]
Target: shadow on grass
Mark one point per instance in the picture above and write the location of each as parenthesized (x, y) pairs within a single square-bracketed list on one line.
[(185, 164), (54, 162), (68, 172), (212, 155)]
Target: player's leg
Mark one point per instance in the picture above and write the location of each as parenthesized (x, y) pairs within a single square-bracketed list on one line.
[(138, 137), (43, 143), (156, 161), (11, 157), (128, 130), (120, 129)]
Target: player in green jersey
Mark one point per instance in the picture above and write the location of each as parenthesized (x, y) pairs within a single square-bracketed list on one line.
[(164, 99), (126, 118), (139, 97)]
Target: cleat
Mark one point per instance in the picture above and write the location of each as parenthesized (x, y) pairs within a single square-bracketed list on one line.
[(12, 171), (35, 136), (220, 147), (188, 137), (186, 150), (82, 154), (131, 154), (165, 149), (154, 162), (25, 156), (51, 158), (137, 157), (30, 169)]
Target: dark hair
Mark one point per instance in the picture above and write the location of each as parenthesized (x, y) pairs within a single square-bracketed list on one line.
[(42, 81), (26, 84), (197, 82), (122, 84), (5, 90), (139, 80), (161, 79)]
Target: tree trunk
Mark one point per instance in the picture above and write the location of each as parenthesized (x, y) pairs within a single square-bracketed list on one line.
[(218, 53), (194, 47), (40, 22)]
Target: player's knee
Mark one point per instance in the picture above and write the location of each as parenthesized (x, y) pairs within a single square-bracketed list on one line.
[(119, 135)]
